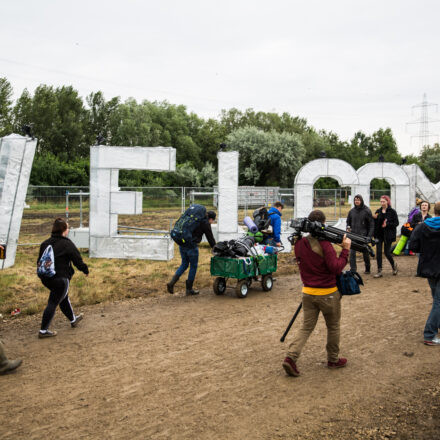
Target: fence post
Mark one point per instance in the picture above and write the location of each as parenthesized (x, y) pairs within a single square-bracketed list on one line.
[(80, 209), (67, 206)]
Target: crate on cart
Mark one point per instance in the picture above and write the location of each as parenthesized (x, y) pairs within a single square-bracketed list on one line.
[(245, 270)]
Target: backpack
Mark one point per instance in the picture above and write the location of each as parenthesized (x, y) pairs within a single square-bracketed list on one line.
[(261, 218), (406, 230), (46, 263), (186, 224), (412, 213), (348, 283)]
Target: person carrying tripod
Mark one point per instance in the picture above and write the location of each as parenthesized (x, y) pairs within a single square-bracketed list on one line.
[(318, 266)]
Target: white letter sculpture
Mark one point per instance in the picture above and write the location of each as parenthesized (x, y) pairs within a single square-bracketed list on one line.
[(227, 195), (306, 177), (16, 157), (106, 202), (398, 180)]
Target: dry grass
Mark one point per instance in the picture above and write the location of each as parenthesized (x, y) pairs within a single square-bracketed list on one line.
[(109, 280)]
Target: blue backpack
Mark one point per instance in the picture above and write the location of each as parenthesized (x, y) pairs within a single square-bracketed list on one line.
[(348, 283), (46, 263), (183, 229)]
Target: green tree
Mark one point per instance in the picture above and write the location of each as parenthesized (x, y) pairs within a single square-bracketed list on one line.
[(5, 107), (100, 114), (267, 158), (58, 118), (430, 162)]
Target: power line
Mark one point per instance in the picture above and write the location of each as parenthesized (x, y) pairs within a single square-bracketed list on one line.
[(424, 133)]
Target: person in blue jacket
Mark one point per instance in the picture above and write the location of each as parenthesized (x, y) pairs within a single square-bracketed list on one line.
[(275, 221)]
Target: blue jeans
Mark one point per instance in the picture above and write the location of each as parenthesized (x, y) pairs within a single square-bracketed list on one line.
[(190, 257), (433, 322)]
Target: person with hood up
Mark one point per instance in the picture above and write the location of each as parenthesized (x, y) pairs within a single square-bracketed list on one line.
[(275, 214), (360, 221), (385, 224), (425, 240)]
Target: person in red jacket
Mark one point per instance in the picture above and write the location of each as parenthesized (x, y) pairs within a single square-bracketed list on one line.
[(318, 266)]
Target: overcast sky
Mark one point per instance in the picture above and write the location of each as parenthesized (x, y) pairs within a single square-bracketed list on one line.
[(343, 65)]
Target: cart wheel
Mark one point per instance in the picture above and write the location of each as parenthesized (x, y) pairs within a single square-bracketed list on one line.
[(249, 282), (219, 286), (242, 289), (267, 282)]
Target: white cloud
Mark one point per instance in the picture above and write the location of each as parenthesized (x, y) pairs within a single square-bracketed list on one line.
[(343, 65)]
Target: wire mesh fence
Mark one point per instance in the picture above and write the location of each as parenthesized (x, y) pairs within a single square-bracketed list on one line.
[(163, 205)]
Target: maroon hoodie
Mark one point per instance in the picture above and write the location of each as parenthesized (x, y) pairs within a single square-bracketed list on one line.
[(317, 271)]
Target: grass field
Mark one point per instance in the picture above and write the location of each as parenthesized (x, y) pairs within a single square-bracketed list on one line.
[(109, 280)]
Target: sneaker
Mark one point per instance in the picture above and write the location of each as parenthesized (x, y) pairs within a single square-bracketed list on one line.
[(367, 272), (77, 320), (395, 269), (434, 341), (378, 275), (47, 334), (342, 362), (290, 367)]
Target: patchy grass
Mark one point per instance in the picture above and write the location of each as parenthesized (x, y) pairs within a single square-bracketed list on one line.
[(109, 280)]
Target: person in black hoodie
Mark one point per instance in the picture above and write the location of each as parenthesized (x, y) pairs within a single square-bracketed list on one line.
[(385, 224), (425, 240), (360, 221), (65, 253)]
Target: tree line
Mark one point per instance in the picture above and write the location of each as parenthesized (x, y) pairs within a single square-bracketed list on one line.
[(272, 146)]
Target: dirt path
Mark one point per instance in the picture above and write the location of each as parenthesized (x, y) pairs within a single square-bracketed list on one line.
[(209, 367)]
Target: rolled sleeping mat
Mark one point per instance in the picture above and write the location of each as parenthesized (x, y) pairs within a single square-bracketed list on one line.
[(250, 224), (400, 245)]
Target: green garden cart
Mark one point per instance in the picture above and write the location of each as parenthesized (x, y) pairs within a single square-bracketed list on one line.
[(245, 270)]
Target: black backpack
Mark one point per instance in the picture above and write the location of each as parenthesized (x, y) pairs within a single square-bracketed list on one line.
[(261, 218), (183, 229)]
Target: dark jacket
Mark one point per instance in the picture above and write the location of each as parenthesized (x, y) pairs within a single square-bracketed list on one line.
[(425, 240), (360, 219), (389, 232), (417, 218), (204, 228), (65, 253), (317, 271)]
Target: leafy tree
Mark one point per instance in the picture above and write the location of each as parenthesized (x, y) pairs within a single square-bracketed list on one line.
[(49, 169), (58, 118), (130, 124), (267, 158), (382, 143), (22, 111), (430, 160), (5, 107), (100, 114)]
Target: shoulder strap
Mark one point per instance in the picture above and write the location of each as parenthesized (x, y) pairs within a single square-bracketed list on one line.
[(316, 247)]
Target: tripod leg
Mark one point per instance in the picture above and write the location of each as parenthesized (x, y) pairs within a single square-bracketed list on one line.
[(291, 322)]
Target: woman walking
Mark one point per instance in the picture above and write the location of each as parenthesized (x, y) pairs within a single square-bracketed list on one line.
[(385, 224), (65, 253)]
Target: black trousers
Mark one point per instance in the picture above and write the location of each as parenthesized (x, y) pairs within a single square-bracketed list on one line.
[(353, 266), (59, 289), (387, 252)]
